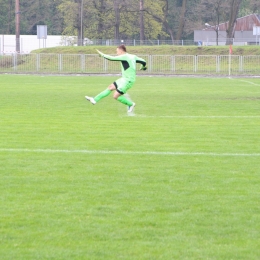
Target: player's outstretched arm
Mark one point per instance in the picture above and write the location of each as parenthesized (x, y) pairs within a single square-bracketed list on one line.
[(112, 58), (100, 53), (142, 62)]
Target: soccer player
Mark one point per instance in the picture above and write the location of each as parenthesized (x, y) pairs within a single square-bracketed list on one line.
[(123, 84)]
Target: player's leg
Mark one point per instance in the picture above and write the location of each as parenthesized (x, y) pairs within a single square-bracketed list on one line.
[(122, 86), (105, 93), (101, 95), (118, 96)]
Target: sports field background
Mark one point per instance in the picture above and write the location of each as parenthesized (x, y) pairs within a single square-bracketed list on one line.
[(178, 179)]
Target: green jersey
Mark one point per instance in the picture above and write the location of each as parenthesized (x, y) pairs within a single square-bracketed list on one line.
[(128, 64)]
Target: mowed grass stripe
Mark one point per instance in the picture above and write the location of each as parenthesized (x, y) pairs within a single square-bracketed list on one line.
[(127, 152)]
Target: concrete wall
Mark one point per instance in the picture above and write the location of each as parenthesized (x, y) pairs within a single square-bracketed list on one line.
[(208, 37)]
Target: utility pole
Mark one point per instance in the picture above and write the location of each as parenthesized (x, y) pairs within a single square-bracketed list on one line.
[(141, 21), (117, 19), (81, 23), (17, 25)]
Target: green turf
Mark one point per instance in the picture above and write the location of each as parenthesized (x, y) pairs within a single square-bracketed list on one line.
[(156, 50), (179, 180)]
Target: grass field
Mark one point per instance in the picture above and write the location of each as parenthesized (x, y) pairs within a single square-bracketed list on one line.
[(179, 179), (156, 50)]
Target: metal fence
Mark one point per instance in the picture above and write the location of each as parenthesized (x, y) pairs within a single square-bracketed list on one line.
[(208, 42), (157, 64)]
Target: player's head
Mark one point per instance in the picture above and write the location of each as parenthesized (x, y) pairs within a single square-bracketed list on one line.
[(121, 49)]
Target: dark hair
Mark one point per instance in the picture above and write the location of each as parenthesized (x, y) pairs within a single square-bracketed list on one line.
[(122, 47)]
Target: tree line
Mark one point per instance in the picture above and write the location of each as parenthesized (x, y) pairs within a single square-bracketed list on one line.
[(124, 19)]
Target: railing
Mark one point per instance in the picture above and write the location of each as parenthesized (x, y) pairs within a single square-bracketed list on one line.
[(207, 42), (157, 64)]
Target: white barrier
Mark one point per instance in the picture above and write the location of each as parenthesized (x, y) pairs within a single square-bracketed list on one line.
[(157, 64)]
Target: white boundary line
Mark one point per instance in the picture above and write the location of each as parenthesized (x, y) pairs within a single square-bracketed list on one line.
[(246, 81), (20, 150), (200, 116), (249, 82)]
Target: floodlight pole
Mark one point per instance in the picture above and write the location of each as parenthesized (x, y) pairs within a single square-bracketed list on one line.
[(17, 25)]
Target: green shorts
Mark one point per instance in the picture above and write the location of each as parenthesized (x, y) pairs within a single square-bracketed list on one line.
[(122, 85)]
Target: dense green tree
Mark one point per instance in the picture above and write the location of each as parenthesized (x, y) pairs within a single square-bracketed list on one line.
[(7, 18), (33, 13), (124, 19), (112, 19), (249, 7), (39, 12)]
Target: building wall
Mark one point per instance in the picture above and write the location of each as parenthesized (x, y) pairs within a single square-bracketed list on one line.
[(208, 37), (243, 32)]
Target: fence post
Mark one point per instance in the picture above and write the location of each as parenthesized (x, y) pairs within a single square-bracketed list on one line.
[(195, 57), (15, 61), (218, 64), (173, 63), (60, 62), (240, 63), (83, 62), (105, 65), (38, 61), (150, 58)]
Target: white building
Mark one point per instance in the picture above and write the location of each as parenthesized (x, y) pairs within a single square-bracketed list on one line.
[(31, 42), (246, 31)]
